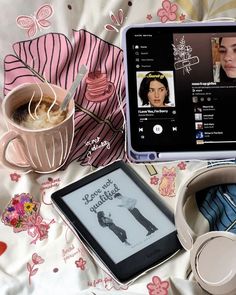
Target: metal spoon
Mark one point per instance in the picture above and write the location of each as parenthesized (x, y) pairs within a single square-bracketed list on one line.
[(75, 84)]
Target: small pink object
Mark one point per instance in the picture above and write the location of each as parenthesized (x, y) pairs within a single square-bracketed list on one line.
[(168, 11), (158, 287), (37, 21), (98, 87)]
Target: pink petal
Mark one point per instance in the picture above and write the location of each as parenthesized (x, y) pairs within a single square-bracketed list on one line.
[(174, 8), (165, 285), (164, 19), (111, 28), (114, 19), (161, 13), (120, 16), (166, 5), (156, 280), (151, 287), (172, 16)]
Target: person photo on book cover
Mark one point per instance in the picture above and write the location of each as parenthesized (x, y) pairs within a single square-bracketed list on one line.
[(106, 221), (130, 204)]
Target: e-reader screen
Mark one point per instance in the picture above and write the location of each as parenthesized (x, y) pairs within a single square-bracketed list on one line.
[(119, 215), (120, 220), (181, 88)]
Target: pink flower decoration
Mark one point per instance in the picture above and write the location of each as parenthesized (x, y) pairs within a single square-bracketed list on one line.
[(168, 12), (19, 208), (149, 17), (15, 177), (36, 259), (22, 213), (154, 180), (158, 287), (182, 166), (80, 263)]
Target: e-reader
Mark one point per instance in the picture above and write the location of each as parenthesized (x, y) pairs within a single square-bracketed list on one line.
[(120, 220), (181, 90)]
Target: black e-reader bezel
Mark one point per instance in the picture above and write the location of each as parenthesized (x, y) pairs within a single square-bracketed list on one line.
[(126, 270), (197, 122)]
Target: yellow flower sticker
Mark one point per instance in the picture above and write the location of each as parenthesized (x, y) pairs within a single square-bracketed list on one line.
[(28, 207)]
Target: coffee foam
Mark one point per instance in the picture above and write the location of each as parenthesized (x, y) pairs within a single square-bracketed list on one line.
[(47, 114)]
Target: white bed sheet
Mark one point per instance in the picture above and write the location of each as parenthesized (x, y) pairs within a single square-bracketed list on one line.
[(45, 257)]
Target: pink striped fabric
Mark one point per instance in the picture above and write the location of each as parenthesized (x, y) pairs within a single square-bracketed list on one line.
[(54, 58)]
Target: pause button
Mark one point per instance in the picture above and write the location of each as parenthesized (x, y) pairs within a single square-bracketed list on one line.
[(157, 129)]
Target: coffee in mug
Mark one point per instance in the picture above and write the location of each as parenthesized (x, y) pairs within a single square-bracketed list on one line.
[(40, 133), (39, 114)]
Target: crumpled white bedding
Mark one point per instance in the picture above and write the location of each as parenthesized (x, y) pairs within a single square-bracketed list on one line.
[(42, 255)]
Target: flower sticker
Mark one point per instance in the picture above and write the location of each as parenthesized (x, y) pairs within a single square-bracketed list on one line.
[(149, 17), (80, 263), (158, 287), (36, 259), (22, 213), (167, 12), (182, 165), (20, 208), (154, 180), (15, 177)]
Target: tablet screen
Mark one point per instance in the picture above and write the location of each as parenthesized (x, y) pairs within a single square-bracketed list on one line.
[(118, 214), (181, 88)]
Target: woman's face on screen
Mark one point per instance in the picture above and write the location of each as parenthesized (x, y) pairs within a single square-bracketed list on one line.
[(156, 94), (227, 52)]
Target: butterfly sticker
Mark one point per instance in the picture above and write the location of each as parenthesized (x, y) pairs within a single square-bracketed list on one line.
[(35, 22), (116, 19), (168, 11)]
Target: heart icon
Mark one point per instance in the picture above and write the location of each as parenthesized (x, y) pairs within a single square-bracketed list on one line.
[(3, 247)]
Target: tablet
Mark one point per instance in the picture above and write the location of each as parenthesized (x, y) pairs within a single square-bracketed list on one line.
[(120, 220), (181, 91)]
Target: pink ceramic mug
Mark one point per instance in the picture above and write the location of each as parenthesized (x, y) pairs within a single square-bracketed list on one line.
[(41, 150)]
